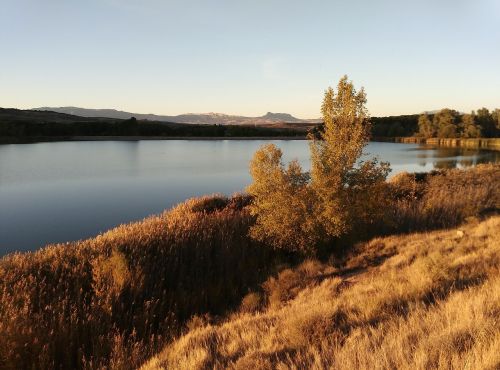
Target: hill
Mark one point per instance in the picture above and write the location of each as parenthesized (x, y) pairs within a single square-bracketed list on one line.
[(18, 126), (392, 126), (192, 118), (181, 281), (42, 116), (419, 301)]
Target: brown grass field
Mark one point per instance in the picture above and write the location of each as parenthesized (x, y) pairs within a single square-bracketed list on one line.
[(190, 289), (418, 301)]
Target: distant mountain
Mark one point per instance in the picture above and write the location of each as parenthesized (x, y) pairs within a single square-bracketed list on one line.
[(203, 118)]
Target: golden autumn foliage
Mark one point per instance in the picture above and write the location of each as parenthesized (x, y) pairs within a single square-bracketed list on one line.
[(282, 202), (299, 211)]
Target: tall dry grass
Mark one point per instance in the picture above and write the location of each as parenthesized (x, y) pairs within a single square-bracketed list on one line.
[(443, 198), (114, 300), (420, 301)]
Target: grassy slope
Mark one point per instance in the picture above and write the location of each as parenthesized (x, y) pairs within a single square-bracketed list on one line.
[(114, 300), (418, 301)]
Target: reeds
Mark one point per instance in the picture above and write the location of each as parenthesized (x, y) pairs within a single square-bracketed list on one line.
[(115, 298)]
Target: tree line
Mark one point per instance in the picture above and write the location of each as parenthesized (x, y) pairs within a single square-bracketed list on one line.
[(31, 129), (448, 123)]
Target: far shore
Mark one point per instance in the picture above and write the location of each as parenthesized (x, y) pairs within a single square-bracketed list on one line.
[(479, 143), (138, 138)]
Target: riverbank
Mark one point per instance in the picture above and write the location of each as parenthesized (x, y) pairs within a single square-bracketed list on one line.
[(479, 143), (44, 139), (119, 298)]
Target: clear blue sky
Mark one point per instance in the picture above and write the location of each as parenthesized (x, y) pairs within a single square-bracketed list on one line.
[(248, 57)]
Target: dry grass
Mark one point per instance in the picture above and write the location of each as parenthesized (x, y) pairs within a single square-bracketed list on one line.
[(112, 300), (419, 301), (115, 300), (443, 198)]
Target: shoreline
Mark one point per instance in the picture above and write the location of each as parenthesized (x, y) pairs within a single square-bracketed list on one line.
[(479, 143), (146, 138), (471, 143)]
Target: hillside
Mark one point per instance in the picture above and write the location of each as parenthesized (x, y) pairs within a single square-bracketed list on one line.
[(419, 301), (192, 118), (34, 116), (115, 300), (18, 126), (392, 126)]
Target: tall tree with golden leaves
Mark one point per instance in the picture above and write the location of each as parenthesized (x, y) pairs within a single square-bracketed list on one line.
[(300, 211), (339, 186)]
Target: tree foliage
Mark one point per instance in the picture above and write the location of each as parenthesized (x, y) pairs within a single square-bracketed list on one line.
[(282, 200), (469, 126), (448, 123), (301, 211), (426, 126)]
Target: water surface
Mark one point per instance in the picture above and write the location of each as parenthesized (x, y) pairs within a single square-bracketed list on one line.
[(63, 191)]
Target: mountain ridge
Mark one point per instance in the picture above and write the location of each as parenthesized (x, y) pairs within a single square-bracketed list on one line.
[(192, 118)]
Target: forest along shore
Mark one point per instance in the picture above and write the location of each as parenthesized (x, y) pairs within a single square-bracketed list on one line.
[(137, 138), (482, 143)]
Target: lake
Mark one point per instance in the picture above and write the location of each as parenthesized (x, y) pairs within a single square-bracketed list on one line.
[(64, 191)]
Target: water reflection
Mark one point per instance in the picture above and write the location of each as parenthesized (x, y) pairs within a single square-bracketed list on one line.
[(446, 158)]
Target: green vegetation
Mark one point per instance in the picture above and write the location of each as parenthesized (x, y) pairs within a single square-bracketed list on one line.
[(394, 126), (29, 126), (448, 123)]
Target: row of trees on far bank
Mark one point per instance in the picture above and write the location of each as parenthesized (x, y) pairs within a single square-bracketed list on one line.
[(448, 123)]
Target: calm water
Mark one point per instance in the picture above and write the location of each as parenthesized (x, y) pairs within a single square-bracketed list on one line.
[(57, 192)]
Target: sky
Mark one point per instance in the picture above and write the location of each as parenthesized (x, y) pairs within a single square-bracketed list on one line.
[(248, 57)]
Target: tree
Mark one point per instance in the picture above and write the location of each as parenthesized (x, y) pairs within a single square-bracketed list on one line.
[(486, 121), (300, 211), (446, 122), (470, 128), (281, 202), (426, 127), (496, 118)]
